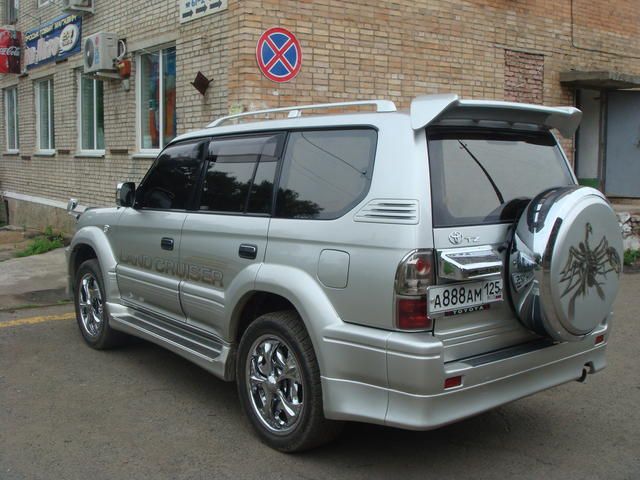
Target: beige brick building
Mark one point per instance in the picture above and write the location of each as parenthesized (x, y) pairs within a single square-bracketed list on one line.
[(554, 52)]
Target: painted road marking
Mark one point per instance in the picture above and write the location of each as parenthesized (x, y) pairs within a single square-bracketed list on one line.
[(36, 320)]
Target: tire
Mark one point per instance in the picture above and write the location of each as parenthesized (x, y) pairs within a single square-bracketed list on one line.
[(564, 263), (277, 352), (92, 313)]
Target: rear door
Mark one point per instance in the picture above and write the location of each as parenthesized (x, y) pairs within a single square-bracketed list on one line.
[(623, 145), (481, 180), (147, 238), (226, 237)]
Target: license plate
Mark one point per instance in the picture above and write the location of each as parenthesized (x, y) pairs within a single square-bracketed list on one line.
[(445, 298)]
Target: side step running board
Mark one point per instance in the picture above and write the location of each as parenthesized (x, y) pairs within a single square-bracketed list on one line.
[(206, 351)]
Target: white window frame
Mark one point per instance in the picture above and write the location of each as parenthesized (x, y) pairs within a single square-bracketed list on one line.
[(96, 151), (45, 151), (43, 3), (151, 152), (13, 92)]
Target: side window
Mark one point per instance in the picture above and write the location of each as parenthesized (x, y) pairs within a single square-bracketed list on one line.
[(325, 173), (240, 174), (170, 183)]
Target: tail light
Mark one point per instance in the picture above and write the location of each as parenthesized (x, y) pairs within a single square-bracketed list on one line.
[(411, 314), (413, 276)]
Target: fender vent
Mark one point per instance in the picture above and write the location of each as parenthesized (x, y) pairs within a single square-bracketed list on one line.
[(389, 211)]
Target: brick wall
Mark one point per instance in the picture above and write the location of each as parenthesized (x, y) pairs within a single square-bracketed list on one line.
[(497, 49), (523, 77), (610, 27), (202, 45)]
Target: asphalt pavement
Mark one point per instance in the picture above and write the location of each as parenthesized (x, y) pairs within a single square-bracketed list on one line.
[(70, 412), (35, 280)]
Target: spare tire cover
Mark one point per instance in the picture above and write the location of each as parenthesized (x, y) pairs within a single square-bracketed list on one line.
[(564, 262)]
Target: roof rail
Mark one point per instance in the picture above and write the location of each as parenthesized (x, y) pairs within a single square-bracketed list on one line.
[(295, 112)]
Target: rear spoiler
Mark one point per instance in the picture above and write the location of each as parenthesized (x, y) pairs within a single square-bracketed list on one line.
[(427, 109)]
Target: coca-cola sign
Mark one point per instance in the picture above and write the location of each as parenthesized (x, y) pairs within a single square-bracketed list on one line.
[(10, 51), (10, 41)]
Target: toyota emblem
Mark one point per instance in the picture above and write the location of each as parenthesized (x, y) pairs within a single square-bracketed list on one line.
[(455, 237)]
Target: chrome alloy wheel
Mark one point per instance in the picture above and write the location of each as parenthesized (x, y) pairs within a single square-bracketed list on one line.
[(274, 384), (90, 304)]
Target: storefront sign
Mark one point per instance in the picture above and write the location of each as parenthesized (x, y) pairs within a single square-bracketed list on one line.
[(192, 9), (53, 41), (10, 51), (279, 55)]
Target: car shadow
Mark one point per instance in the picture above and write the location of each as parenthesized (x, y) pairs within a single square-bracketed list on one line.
[(503, 429)]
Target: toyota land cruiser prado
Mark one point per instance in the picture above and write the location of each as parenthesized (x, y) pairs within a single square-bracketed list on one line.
[(407, 269)]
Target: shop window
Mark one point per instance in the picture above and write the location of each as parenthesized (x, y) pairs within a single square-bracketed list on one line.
[(91, 108), (156, 98), (11, 11), (44, 115), (11, 118)]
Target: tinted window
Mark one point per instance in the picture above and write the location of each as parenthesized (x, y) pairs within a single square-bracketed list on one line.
[(169, 184), (240, 174), (325, 172), (488, 177)]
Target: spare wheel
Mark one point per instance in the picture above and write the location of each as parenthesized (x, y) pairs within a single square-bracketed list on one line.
[(564, 262)]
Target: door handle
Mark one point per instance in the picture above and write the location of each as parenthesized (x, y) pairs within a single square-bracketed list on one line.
[(248, 251), (166, 243)]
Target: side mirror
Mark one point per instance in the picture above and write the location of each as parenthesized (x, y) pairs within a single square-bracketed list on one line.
[(72, 204), (125, 194)]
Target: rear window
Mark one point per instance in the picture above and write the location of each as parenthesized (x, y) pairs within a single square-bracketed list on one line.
[(483, 177)]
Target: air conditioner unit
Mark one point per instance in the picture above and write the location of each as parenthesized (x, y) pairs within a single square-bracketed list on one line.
[(78, 6), (100, 52)]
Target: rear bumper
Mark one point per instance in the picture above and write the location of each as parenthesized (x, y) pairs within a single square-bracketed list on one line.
[(422, 412), (399, 380)]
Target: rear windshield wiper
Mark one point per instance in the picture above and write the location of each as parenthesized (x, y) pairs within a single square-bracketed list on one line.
[(484, 170)]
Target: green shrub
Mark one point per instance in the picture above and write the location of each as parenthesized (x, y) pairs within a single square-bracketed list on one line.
[(50, 240), (631, 257)]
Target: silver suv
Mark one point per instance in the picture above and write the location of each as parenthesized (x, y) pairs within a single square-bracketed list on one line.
[(408, 269)]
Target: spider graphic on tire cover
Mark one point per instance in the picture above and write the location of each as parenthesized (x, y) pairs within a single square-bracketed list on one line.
[(584, 267)]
